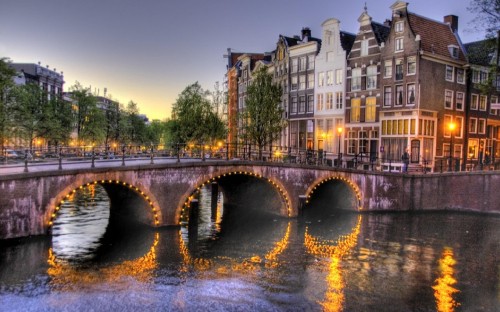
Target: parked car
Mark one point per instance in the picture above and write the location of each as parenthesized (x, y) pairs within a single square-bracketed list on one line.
[(11, 154)]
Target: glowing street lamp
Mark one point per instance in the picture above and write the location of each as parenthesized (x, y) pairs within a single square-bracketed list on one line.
[(451, 127)]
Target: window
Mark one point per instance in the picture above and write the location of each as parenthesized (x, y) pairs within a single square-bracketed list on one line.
[(399, 27), (481, 126), (388, 69), (448, 98), (293, 110), (319, 104), (364, 47), (356, 79), (294, 65), (329, 100), (494, 99), (476, 75), (363, 142), (338, 76), (459, 122), (302, 65), (460, 75), (387, 96), (310, 81), (473, 125), (410, 92), (453, 51), (355, 109), (321, 79), (329, 77), (474, 101), (412, 65), (295, 84), (399, 95), (351, 146), (449, 73), (399, 45), (399, 69), (460, 101), (302, 82), (310, 62), (482, 102), (302, 104), (371, 77), (310, 103), (371, 108), (338, 100)]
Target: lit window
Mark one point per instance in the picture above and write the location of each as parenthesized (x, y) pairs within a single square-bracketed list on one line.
[(370, 110), (355, 110), (339, 76), (474, 103), (482, 102), (481, 126), (319, 104)]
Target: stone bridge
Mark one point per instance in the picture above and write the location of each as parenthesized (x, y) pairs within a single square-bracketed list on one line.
[(157, 194)]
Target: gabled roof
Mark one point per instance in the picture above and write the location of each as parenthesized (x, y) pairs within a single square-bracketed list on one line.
[(481, 52), (381, 31), (435, 36), (346, 41)]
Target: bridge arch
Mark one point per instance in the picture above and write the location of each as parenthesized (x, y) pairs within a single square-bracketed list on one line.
[(148, 198), (339, 179), (188, 196)]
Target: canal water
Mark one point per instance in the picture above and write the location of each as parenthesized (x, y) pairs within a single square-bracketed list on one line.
[(325, 260)]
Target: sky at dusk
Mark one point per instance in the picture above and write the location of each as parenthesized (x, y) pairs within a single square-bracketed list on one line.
[(149, 51)]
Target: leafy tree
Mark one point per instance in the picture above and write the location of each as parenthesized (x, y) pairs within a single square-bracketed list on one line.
[(194, 119), (113, 115), (60, 121), (133, 126), (90, 120), (6, 83), (263, 114), (487, 15), (30, 113)]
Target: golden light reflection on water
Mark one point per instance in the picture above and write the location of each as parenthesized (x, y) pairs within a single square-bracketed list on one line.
[(225, 265), (443, 289), (335, 250), (67, 276)]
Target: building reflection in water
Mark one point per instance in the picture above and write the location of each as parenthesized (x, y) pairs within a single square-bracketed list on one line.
[(443, 288), (335, 250)]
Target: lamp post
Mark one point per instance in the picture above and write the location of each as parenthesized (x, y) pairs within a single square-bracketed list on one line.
[(339, 132), (451, 127)]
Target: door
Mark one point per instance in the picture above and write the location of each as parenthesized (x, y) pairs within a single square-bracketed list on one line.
[(415, 151)]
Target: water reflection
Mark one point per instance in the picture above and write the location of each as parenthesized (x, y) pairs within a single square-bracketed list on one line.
[(81, 223), (335, 250), (443, 289)]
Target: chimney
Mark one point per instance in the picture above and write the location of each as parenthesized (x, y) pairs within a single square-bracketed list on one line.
[(306, 32), (452, 20), (387, 23)]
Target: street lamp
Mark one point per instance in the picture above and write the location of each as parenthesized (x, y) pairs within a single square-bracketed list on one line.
[(339, 132), (451, 127)]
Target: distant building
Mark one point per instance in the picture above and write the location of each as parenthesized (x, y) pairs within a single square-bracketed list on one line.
[(49, 80)]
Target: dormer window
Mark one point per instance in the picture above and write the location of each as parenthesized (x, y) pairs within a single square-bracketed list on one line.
[(453, 49), (399, 27)]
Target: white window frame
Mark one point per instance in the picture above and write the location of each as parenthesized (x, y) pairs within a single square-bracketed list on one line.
[(461, 77), (461, 108), (411, 60), (408, 94), (388, 69), (321, 79), (399, 44), (446, 77), (399, 27), (473, 125), (448, 93), (483, 99)]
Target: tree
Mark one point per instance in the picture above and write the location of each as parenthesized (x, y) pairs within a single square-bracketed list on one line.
[(487, 16), (133, 126), (194, 119), (90, 120), (263, 115), (60, 121), (30, 113), (6, 83)]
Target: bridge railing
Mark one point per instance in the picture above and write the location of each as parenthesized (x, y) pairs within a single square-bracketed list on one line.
[(64, 156)]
